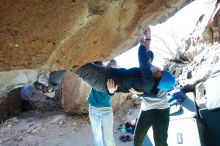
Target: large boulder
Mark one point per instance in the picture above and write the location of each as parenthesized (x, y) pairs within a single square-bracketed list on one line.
[(73, 93), (65, 34), (16, 78)]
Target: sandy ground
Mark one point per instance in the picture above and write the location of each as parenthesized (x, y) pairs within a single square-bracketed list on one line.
[(54, 128)]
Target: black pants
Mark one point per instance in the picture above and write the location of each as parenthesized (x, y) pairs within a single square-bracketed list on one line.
[(54, 79), (159, 120), (97, 76)]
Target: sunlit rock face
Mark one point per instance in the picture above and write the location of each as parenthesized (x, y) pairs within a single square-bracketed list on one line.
[(54, 35), (202, 70), (206, 32), (213, 27)]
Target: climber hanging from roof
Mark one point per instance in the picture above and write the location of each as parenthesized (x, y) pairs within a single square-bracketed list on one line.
[(140, 79)]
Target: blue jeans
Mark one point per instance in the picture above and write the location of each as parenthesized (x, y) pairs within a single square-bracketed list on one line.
[(102, 126)]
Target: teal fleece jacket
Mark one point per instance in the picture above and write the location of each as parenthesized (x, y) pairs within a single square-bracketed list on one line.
[(99, 99)]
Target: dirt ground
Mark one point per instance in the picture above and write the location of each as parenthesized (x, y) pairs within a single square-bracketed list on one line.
[(55, 128)]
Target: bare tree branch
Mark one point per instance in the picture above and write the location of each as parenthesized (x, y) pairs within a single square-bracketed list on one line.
[(172, 54)]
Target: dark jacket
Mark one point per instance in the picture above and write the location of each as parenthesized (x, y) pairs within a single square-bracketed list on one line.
[(138, 78)]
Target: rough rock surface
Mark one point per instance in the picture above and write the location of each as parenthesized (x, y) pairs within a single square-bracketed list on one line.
[(16, 78), (73, 93), (54, 35), (202, 47), (10, 105)]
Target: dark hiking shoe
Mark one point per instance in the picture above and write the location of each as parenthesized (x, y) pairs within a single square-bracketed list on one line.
[(128, 138), (125, 138)]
